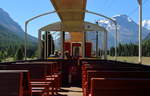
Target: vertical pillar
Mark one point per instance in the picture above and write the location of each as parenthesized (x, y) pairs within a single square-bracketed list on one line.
[(116, 41), (25, 47), (47, 43), (105, 45), (140, 31), (103, 42), (97, 41), (62, 43), (97, 52), (84, 45), (51, 44), (39, 43), (100, 49)]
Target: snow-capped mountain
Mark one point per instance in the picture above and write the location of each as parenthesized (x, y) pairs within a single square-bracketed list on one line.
[(146, 24), (127, 29)]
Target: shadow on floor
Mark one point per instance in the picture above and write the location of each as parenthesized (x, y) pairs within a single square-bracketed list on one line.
[(61, 95)]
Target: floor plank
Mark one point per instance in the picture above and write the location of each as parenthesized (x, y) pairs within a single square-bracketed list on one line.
[(71, 91)]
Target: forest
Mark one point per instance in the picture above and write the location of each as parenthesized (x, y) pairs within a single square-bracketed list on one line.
[(16, 51), (131, 49)]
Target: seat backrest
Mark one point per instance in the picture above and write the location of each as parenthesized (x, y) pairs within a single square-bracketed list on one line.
[(110, 63), (14, 83), (38, 70), (116, 74), (120, 87)]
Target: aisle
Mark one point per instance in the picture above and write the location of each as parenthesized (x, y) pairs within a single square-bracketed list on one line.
[(71, 91)]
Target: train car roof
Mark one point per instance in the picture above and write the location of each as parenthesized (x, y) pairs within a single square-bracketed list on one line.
[(71, 14)]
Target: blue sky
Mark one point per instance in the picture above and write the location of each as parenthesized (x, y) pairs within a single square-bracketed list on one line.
[(21, 10)]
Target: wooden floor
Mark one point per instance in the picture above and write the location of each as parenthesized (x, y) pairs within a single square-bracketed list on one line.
[(71, 91)]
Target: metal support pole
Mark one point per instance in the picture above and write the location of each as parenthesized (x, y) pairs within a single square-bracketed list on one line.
[(100, 49), (105, 45), (51, 44), (47, 43), (97, 52), (62, 43), (140, 31), (25, 47), (39, 45), (102, 41), (84, 45), (116, 41), (45, 48)]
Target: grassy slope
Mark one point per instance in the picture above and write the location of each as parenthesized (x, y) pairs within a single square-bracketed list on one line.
[(7, 38)]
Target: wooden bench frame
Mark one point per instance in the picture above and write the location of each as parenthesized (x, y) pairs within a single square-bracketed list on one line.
[(23, 80), (51, 78), (119, 87)]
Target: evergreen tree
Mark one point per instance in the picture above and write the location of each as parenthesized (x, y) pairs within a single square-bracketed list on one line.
[(19, 54)]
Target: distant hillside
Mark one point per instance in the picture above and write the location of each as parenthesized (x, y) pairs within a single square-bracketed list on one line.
[(11, 32), (147, 37), (12, 36), (7, 37)]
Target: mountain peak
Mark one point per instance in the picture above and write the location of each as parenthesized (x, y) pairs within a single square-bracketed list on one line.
[(3, 13), (10, 25), (127, 28), (123, 17), (7, 22), (146, 24)]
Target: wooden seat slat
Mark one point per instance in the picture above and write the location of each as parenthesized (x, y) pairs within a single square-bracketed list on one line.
[(120, 87), (39, 72), (14, 83), (110, 69)]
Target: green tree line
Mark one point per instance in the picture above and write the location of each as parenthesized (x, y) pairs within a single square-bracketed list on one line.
[(16, 52), (131, 49)]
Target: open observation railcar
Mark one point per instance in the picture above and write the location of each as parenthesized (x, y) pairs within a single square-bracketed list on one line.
[(44, 77)]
